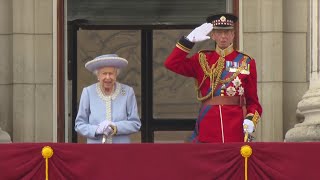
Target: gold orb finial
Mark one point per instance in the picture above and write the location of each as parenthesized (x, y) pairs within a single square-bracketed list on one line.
[(246, 151), (47, 152)]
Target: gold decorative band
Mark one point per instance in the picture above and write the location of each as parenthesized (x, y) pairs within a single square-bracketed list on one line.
[(256, 118), (183, 48)]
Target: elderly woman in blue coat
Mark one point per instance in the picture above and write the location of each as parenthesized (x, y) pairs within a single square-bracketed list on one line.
[(108, 109)]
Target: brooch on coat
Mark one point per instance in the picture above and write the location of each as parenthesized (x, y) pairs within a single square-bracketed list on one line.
[(123, 92)]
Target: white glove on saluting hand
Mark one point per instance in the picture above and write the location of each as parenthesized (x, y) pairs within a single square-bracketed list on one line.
[(102, 126), (200, 33), (250, 126)]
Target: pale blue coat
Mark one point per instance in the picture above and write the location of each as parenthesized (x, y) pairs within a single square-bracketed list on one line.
[(92, 111)]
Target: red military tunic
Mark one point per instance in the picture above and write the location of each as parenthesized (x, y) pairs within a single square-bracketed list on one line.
[(238, 77)]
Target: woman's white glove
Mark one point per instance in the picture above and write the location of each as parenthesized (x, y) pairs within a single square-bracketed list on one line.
[(109, 129), (200, 33), (102, 126), (248, 126)]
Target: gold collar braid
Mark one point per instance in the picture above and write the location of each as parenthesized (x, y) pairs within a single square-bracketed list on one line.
[(224, 52)]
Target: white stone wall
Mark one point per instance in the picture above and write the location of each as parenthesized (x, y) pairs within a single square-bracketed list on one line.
[(275, 34), (308, 130), (296, 58), (6, 65), (262, 39), (32, 70)]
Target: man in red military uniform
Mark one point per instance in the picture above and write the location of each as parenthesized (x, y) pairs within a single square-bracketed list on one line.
[(226, 82)]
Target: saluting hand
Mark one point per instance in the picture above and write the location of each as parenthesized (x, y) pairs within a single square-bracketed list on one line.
[(200, 33)]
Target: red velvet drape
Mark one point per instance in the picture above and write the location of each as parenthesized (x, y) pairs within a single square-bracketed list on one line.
[(160, 161)]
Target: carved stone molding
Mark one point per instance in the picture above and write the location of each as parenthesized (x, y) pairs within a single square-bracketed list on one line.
[(309, 129), (4, 137), (310, 101)]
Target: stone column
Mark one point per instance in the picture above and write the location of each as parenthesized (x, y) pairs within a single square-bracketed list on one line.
[(263, 41), (309, 106), (6, 67), (32, 70)]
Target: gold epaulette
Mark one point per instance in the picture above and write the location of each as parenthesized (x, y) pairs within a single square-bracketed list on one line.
[(205, 51), (244, 54)]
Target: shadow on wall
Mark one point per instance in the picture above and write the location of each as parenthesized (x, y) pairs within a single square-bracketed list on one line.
[(4, 137)]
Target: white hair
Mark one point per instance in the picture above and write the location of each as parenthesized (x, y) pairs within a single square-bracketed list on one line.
[(95, 72)]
